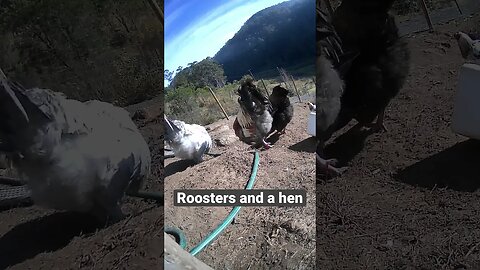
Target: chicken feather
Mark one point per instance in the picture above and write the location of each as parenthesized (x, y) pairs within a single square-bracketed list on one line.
[(74, 156)]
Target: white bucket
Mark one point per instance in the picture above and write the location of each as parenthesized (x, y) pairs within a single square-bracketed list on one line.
[(312, 123), (466, 111)]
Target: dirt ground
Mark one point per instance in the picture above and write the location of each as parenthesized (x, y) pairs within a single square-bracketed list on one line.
[(35, 238), (410, 198), (261, 237)]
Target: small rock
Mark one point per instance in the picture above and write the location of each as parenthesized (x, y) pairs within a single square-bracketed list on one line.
[(389, 243), (225, 139), (139, 115)]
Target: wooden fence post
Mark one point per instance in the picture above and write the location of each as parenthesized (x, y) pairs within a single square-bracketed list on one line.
[(218, 102), (426, 13), (458, 7), (158, 11), (296, 90), (264, 86)]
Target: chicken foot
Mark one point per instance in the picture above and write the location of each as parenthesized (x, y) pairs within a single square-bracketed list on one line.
[(263, 145), (266, 145), (379, 124), (328, 166)]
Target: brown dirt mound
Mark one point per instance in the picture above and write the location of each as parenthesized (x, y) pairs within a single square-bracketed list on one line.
[(36, 238)]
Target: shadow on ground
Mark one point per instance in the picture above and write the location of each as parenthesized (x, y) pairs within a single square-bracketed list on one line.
[(308, 145), (177, 166), (457, 168), (347, 146), (44, 234), (7, 207)]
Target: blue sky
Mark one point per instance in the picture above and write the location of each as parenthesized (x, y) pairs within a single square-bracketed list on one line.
[(195, 29)]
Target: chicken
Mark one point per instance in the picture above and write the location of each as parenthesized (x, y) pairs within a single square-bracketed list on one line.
[(282, 109), (331, 63), (254, 120), (73, 156), (381, 67), (188, 141), (469, 46)]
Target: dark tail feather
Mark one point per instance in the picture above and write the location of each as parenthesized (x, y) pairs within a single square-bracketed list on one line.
[(249, 94), (9, 102), (20, 116), (170, 128)]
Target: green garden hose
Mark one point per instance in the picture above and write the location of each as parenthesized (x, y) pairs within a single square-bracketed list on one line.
[(205, 242), (180, 237)]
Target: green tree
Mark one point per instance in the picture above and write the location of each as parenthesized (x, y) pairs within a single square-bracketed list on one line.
[(200, 74), (92, 49)]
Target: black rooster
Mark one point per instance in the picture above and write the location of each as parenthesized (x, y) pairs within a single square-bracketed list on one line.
[(282, 110), (358, 84), (379, 71), (254, 120)]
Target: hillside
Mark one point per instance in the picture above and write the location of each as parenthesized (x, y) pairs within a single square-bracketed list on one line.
[(105, 49), (282, 35)]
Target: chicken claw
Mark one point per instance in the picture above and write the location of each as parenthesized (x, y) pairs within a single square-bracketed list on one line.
[(328, 166), (266, 145), (378, 125)]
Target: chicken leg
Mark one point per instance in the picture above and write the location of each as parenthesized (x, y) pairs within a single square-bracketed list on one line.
[(262, 145), (378, 125), (328, 166), (266, 145)]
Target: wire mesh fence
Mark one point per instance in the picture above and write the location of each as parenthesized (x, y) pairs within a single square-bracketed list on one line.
[(199, 106), (421, 15)]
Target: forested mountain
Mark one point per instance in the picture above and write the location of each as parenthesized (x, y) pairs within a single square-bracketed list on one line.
[(198, 74), (282, 35)]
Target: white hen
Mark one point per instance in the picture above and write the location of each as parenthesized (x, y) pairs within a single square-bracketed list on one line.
[(188, 141), (469, 47), (74, 156)]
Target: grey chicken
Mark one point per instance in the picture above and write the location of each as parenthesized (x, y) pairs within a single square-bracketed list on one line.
[(469, 46), (331, 65), (188, 141), (73, 156), (254, 120)]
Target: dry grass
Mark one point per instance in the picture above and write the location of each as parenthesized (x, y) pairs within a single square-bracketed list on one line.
[(199, 106)]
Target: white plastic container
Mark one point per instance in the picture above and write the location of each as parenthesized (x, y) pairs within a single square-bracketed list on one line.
[(466, 111), (312, 123)]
